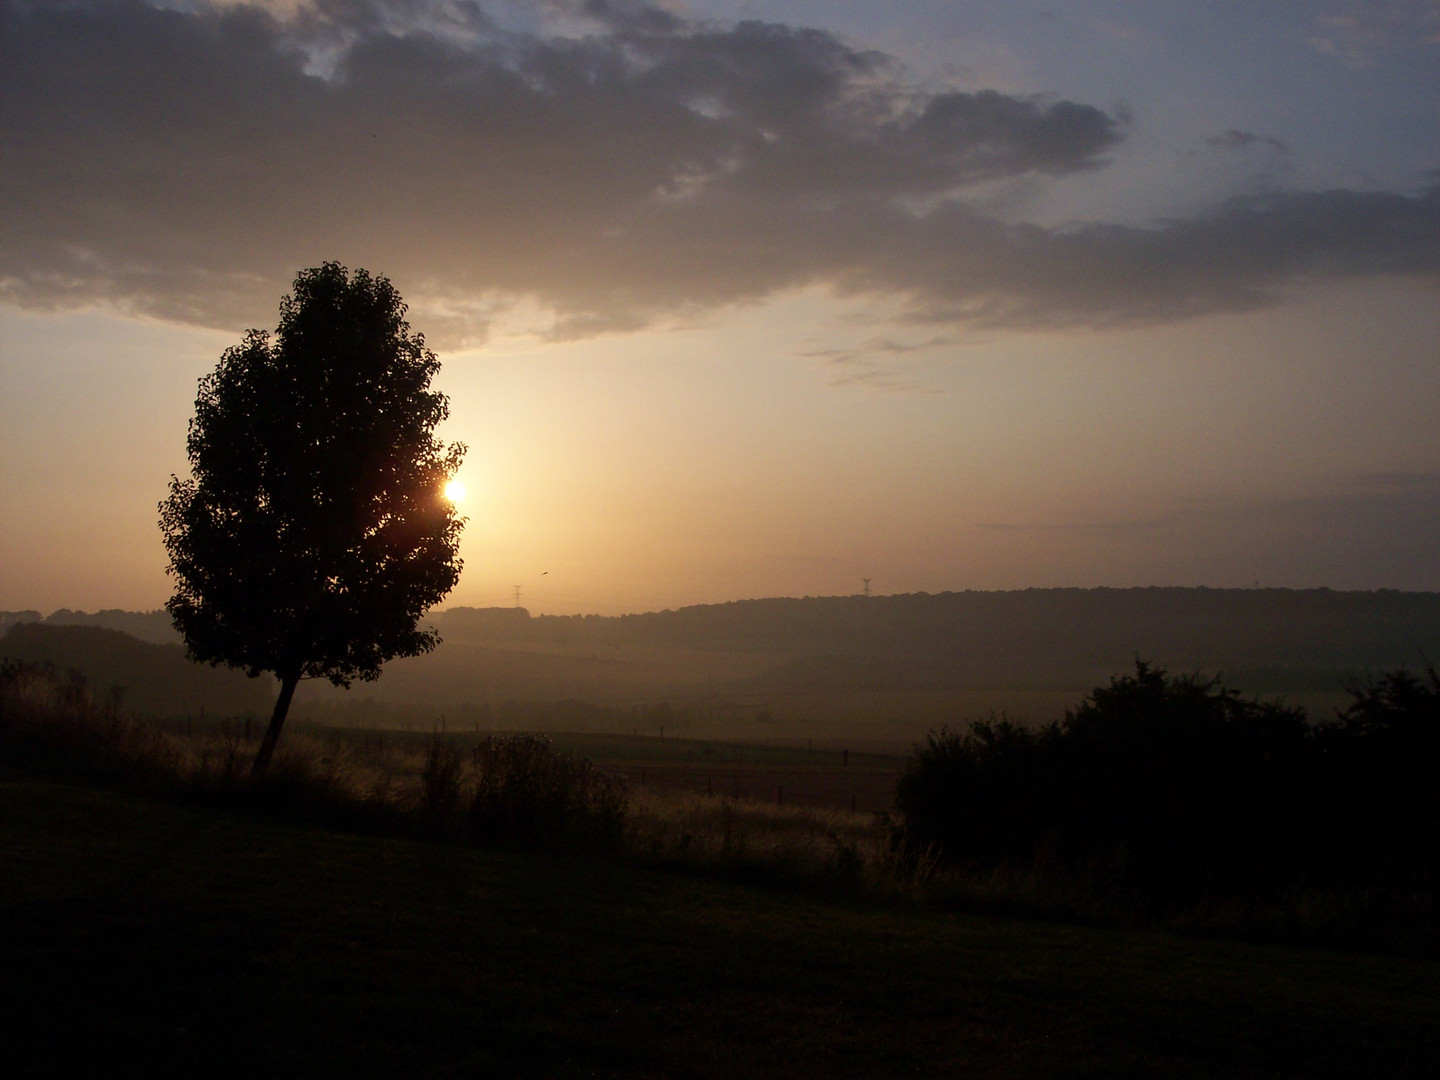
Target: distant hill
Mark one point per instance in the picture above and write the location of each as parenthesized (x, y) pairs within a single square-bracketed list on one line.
[(152, 626), (10, 618), (1031, 633), (899, 662), (157, 680)]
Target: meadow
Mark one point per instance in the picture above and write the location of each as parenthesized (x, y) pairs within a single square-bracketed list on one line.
[(141, 935), (818, 774), (162, 913), (814, 817)]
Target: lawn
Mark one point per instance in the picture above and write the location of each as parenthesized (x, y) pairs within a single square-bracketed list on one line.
[(138, 936)]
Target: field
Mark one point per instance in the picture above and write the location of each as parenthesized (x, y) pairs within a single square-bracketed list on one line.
[(859, 789), (139, 936), (783, 772)]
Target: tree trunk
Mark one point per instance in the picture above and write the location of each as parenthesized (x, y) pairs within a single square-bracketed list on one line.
[(277, 721)]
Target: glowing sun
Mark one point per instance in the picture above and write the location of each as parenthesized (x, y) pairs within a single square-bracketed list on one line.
[(455, 491)]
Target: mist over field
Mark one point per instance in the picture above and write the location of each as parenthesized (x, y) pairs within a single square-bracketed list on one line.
[(884, 669)]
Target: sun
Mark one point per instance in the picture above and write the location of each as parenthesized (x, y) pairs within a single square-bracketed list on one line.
[(455, 491)]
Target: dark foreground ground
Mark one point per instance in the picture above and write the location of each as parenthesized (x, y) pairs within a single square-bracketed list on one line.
[(137, 937)]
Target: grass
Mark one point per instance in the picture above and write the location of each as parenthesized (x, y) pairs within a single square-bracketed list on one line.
[(323, 924), (444, 788), (823, 778), (440, 787), (142, 936), (742, 839)]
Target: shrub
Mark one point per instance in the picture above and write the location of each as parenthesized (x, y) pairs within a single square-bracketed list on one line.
[(527, 795), (57, 724), (974, 798), (1171, 786), (1383, 754), (1185, 785), (441, 783)]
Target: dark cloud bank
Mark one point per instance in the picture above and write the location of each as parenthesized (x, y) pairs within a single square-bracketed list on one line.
[(186, 162)]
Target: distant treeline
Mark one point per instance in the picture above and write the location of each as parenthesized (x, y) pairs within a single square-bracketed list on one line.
[(1177, 787), (153, 679), (152, 626), (772, 652), (1089, 628), (1297, 638)]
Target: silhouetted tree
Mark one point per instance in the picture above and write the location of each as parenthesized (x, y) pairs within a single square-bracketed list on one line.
[(979, 796), (1196, 786), (1385, 754), (1173, 784), (313, 531)]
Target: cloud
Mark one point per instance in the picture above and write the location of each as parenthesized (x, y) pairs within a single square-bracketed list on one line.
[(1235, 139), (1398, 485), (1367, 503), (1359, 33), (871, 363), (1116, 526), (616, 164), (1363, 532)]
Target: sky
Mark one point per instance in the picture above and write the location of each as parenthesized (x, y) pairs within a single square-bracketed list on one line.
[(740, 299)]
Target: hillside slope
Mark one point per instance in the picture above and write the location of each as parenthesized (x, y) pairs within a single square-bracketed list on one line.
[(142, 937), (155, 680)]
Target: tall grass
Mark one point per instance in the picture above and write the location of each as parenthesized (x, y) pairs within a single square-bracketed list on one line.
[(55, 722), (750, 840), (513, 791), (527, 795)]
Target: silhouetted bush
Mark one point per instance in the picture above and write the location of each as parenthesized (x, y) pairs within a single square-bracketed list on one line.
[(56, 722), (977, 797), (441, 786), (1177, 787), (527, 795), (1381, 764)]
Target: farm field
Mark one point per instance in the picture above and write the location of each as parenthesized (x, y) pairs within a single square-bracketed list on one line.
[(785, 771), (864, 790), (139, 936)]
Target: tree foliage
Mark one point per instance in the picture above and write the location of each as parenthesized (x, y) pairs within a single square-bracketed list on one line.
[(1176, 786), (313, 532)]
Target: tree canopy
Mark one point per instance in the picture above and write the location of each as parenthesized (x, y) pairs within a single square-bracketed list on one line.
[(313, 531), (1178, 788)]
